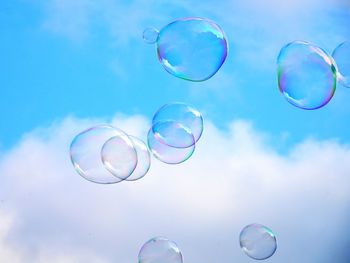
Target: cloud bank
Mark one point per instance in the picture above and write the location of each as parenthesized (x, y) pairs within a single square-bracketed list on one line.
[(48, 213)]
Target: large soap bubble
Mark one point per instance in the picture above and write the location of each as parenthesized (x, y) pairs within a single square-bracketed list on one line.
[(341, 56), (160, 250), (187, 116), (258, 241), (166, 153), (306, 75), (191, 48), (85, 153)]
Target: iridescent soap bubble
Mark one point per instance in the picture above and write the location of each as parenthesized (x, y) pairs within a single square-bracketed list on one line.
[(192, 48), (160, 250), (306, 75), (111, 158), (341, 56), (258, 241), (85, 153), (164, 152), (118, 156), (178, 113), (150, 35)]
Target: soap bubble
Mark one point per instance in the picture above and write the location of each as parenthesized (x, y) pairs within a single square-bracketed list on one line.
[(164, 152), (118, 156), (85, 153), (192, 48), (143, 159), (150, 35), (111, 158), (341, 56), (306, 75), (160, 250), (176, 127), (258, 241), (178, 113)]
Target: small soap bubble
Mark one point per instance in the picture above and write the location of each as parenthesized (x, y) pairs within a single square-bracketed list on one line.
[(150, 35), (258, 242), (192, 48), (85, 153), (178, 113), (164, 152), (306, 75), (160, 250), (341, 55)]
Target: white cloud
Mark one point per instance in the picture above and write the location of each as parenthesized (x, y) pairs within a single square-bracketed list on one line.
[(7, 253), (51, 214), (69, 18)]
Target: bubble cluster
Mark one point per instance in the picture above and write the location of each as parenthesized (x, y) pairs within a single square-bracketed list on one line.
[(160, 250), (190, 48), (341, 55), (258, 241), (104, 154), (306, 75), (176, 128), (194, 49)]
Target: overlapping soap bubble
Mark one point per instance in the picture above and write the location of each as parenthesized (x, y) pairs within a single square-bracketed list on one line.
[(106, 155), (176, 128)]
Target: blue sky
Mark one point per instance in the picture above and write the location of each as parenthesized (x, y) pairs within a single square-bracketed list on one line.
[(93, 62), (66, 65)]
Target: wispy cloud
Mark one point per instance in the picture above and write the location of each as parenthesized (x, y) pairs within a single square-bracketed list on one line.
[(125, 20), (122, 20), (69, 18), (51, 214)]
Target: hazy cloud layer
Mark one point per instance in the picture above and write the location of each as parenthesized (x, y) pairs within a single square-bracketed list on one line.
[(48, 213)]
